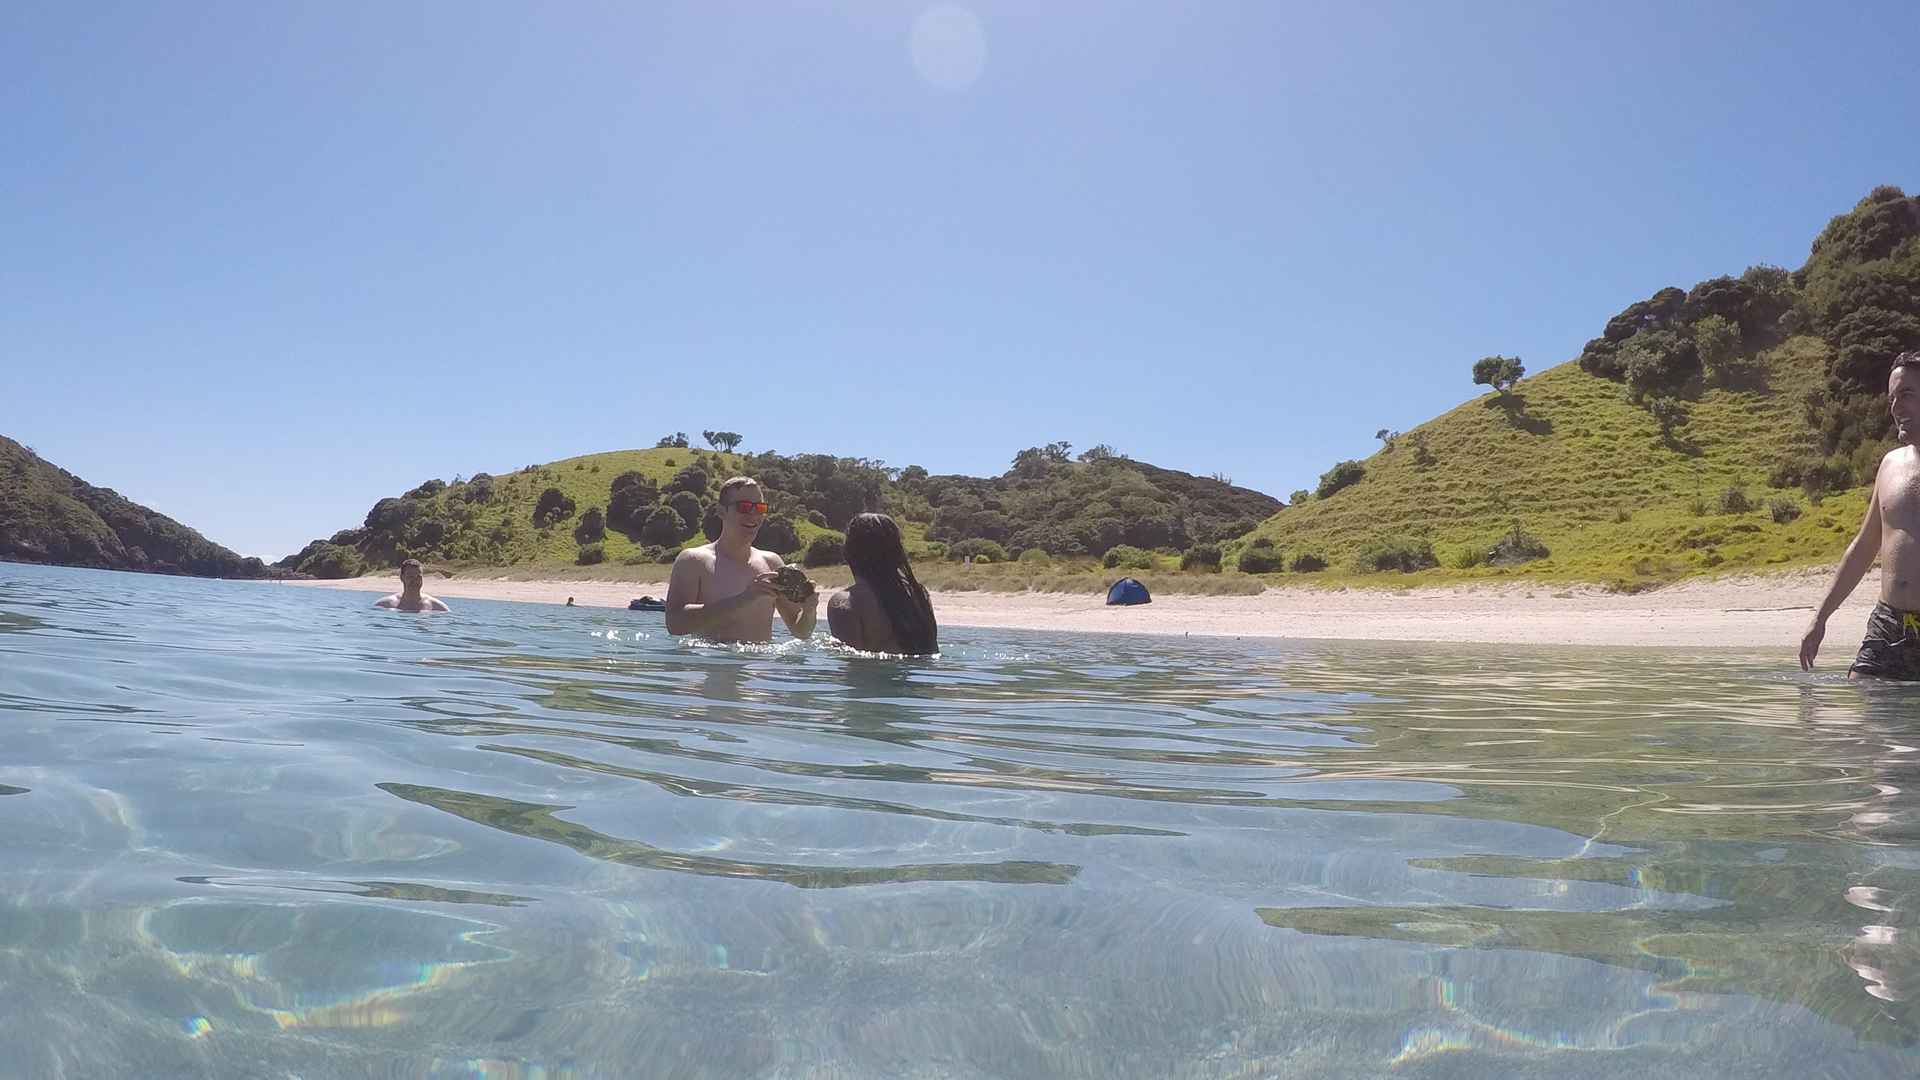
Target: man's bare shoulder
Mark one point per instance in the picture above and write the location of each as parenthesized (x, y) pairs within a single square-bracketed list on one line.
[(701, 556), (392, 601), (768, 559)]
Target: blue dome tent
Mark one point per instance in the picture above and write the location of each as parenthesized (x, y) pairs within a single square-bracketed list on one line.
[(1128, 591)]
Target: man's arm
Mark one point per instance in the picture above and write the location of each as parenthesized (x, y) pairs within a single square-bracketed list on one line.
[(800, 617), (1853, 566), (388, 601), (436, 604), (686, 617)]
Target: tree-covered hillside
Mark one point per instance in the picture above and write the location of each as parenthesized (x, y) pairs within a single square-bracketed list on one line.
[(48, 515), (643, 506), (1732, 424)]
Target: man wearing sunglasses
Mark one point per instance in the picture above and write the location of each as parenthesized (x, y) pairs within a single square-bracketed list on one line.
[(725, 590)]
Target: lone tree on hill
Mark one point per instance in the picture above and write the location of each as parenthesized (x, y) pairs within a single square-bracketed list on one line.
[(721, 440), (1499, 372), (677, 440)]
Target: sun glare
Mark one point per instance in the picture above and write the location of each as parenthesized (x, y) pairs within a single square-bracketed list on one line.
[(949, 47)]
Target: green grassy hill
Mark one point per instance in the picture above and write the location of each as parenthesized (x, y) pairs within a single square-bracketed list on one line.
[(1571, 461), (48, 515), (1733, 425), (1047, 504)]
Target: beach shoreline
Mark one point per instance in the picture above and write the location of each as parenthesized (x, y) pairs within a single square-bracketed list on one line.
[(1747, 611)]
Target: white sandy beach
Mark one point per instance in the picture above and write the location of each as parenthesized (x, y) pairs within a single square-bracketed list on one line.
[(1768, 611)]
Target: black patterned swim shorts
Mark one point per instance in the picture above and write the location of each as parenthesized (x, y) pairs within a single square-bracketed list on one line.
[(1892, 647)]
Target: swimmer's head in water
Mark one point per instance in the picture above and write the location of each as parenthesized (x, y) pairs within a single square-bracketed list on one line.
[(410, 573), (1903, 395)]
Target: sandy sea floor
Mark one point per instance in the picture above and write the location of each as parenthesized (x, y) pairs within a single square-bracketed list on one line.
[(1768, 611)]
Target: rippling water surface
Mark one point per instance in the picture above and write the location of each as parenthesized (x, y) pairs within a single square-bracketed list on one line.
[(257, 830)]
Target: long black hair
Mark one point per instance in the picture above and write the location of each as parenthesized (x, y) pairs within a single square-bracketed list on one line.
[(876, 556)]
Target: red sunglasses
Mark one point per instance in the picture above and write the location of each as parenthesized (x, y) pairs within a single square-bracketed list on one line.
[(748, 506)]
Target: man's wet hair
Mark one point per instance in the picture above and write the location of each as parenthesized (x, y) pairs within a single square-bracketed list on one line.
[(1908, 359), (405, 563), (736, 482)]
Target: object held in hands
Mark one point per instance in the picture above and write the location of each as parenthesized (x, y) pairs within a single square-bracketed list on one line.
[(792, 584)]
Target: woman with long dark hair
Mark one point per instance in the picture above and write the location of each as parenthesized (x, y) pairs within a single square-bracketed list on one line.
[(885, 609)]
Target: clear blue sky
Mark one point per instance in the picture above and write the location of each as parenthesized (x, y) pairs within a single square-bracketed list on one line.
[(263, 264)]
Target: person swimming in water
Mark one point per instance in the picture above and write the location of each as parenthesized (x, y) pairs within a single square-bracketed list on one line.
[(886, 609), (726, 590), (1892, 527), (410, 598)]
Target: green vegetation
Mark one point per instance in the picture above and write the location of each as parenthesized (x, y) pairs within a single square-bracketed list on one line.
[(658, 500), (1499, 372), (48, 515), (1634, 465)]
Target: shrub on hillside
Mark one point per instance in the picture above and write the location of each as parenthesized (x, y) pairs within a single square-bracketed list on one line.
[(1734, 501), (1127, 557), (977, 548), (630, 499), (1341, 476), (1405, 556), (479, 489), (778, 535), (1299, 497), (1716, 341), (1783, 509), (1262, 542), (1658, 360), (592, 528), (1259, 560), (552, 507), (428, 490), (693, 479), (1201, 557), (590, 554), (1307, 563), (1518, 546), (816, 518), (687, 504), (1669, 412), (1468, 557), (826, 549), (1035, 557), (710, 523), (664, 527)]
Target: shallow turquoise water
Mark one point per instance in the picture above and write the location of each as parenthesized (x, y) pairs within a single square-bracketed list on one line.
[(255, 830)]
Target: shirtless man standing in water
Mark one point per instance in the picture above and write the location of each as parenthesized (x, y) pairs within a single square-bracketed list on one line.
[(1892, 646), (724, 590), (410, 598)]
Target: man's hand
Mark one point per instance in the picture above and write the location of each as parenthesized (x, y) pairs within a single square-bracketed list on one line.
[(763, 584), (1810, 643)]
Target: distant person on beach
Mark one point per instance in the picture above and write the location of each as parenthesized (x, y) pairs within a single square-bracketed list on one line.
[(1892, 528), (729, 590), (885, 609), (410, 598), (569, 601)]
